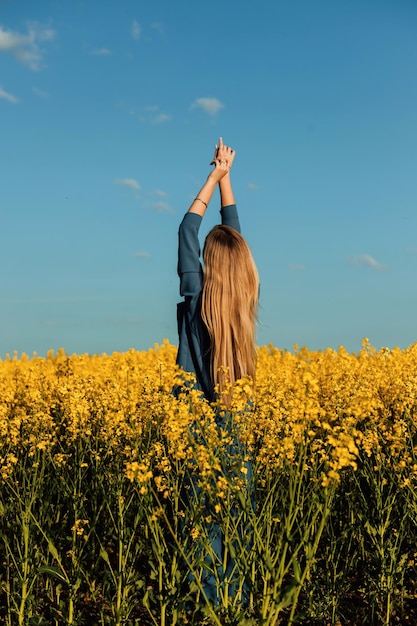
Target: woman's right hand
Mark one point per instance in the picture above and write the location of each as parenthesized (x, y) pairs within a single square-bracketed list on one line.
[(222, 161)]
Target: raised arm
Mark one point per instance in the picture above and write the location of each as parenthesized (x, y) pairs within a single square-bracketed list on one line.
[(226, 192), (189, 267), (222, 163), (227, 154), (228, 209)]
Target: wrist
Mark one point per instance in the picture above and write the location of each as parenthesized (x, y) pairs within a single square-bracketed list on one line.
[(225, 179), (226, 192), (213, 178)]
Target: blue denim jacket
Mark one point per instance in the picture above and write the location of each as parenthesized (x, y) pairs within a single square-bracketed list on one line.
[(194, 341)]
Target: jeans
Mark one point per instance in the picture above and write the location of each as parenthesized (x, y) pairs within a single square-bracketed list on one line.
[(220, 550)]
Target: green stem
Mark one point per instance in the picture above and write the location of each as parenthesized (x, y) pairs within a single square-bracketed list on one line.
[(25, 566), (71, 611), (119, 601), (311, 556)]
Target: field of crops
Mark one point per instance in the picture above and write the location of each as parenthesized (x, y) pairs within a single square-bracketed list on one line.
[(111, 489)]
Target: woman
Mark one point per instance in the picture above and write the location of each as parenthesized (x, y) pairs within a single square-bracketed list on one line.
[(216, 325), (216, 320)]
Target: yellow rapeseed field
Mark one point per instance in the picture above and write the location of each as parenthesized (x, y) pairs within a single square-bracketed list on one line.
[(95, 451), (342, 401)]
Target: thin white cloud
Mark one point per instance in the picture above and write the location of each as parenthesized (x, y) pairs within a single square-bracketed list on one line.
[(136, 30), (411, 249), (296, 267), (151, 115), (162, 207), (161, 118), (101, 52), (252, 187), (127, 182), (211, 106), (40, 32), (25, 46), (44, 95), (142, 255), (5, 95), (158, 27), (367, 261)]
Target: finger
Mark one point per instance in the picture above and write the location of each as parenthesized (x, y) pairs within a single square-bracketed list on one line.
[(228, 151), (215, 155)]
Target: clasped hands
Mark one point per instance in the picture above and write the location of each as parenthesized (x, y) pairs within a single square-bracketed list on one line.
[(222, 160)]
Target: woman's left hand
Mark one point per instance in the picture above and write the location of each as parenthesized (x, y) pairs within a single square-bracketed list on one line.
[(221, 168), (223, 155)]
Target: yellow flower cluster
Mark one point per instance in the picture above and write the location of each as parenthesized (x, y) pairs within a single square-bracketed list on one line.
[(344, 404), (336, 405), (79, 526)]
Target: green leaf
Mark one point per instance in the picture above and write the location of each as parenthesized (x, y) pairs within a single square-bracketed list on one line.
[(52, 571), (297, 570), (52, 549), (104, 555)]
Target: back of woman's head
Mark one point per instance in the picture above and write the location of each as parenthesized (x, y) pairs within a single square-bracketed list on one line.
[(230, 303)]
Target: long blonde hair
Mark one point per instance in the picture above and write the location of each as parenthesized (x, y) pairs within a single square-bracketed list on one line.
[(229, 305)]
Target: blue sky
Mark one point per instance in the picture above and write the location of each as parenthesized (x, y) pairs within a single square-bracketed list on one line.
[(109, 113)]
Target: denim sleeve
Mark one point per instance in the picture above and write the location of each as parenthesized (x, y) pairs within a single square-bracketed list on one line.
[(189, 266), (230, 216)]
